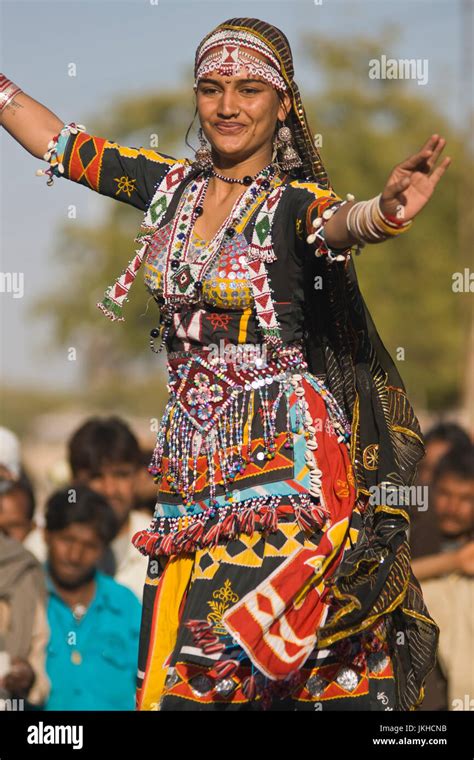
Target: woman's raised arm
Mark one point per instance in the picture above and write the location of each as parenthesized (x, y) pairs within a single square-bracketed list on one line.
[(29, 122), (126, 174)]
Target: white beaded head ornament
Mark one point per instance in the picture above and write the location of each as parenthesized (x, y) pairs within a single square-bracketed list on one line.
[(227, 52)]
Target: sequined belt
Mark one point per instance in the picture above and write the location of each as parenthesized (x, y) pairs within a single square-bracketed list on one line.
[(211, 402)]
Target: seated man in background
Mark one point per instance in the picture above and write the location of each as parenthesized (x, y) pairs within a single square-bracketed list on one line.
[(425, 535), (452, 503), (94, 621), (447, 578), (17, 498), (17, 504), (440, 439), (23, 628)]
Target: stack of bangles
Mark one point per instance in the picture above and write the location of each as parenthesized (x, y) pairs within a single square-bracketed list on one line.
[(8, 90), (365, 222)]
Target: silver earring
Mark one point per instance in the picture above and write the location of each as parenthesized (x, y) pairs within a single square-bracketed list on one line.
[(275, 161), (202, 156), (284, 141)]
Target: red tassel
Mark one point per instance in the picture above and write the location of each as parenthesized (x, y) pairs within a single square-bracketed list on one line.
[(304, 519), (146, 542), (205, 637), (193, 533), (140, 538), (247, 521), (213, 648), (318, 516), (198, 532), (192, 538), (249, 688), (230, 526), (226, 668), (264, 515), (166, 545), (147, 545), (274, 524), (153, 547), (180, 537), (198, 625), (212, 536), (269, 520)]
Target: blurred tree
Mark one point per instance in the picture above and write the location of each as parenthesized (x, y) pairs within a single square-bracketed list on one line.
[(366, 127)]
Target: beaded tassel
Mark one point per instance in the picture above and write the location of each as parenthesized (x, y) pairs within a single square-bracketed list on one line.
[(225, 441)]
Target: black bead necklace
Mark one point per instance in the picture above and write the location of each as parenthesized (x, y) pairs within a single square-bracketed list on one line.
[(247, 180)]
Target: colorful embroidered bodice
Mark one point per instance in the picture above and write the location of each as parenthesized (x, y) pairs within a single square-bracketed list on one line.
[(226, 284)]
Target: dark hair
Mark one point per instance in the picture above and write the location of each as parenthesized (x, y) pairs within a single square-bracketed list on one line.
[(87, 507), (24, 485), (101, 440), (457, 462), (450, 432)]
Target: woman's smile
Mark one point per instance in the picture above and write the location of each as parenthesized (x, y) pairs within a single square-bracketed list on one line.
[(229, 128)]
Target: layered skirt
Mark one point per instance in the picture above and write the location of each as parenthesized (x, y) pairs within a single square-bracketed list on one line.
[(192, 662), (233, 603)]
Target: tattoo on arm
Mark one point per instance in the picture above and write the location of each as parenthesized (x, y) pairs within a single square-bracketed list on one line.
[(14, 104)]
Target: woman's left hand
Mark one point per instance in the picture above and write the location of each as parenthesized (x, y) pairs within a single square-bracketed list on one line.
[(411, 184)]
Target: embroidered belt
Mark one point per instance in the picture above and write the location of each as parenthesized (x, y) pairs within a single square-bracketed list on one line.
[(210, 412)]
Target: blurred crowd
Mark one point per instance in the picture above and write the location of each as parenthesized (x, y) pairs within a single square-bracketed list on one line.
[(71, 587)]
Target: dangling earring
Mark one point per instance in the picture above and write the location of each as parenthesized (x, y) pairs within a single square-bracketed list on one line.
[(275, 162), (290, 157), (202, 156)]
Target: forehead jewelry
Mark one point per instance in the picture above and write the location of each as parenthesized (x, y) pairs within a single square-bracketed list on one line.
[(230, 58)]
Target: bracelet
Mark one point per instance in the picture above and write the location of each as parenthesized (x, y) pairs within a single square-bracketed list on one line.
[(8, 90), (56, 150), (322, 249), (366, 222), (394, 219)]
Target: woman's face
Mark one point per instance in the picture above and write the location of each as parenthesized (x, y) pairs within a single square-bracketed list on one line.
[(238, 116)]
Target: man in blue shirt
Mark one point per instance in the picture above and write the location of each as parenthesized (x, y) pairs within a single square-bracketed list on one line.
[(94, 621)]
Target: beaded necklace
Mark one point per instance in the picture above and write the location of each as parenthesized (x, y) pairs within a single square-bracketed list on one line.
[(183, 278), (183, 281)]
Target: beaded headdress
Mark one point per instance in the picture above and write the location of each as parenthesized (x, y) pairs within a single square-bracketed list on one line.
[(227, 52), (230, 45)]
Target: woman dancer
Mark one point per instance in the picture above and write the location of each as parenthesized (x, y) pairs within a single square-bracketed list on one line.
[(279, 573)]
